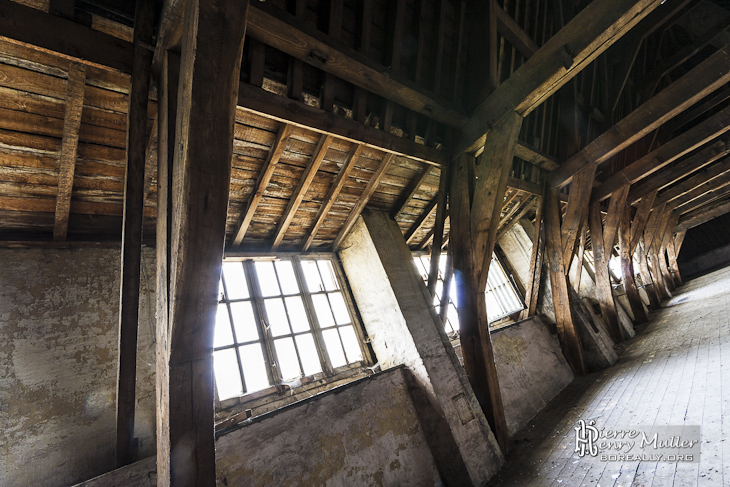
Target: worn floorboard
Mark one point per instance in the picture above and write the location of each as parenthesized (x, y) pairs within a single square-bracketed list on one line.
[(674, 372)]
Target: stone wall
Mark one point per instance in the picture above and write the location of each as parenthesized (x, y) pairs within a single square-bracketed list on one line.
[(365, 433), (58, 364)]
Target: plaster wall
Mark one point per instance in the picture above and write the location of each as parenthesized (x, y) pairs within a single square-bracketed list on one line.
[(58, 364), (362, 434)]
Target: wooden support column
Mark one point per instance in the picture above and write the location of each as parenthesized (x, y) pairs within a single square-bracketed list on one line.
[(653, 254), (664, 250), (675, 244), (581, 254), (167, 115), (562, 295), (627, 266), (438, 231), (132, 231), (212, 46), (536, 258), (476, 196)]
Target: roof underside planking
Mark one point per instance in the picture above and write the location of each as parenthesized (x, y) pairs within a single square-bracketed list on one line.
[(317, 141)]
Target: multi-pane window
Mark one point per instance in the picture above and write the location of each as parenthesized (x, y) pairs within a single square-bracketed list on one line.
[(278, 321), (501, 296)]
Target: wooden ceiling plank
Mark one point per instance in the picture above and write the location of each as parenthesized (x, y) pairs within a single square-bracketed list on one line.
[(69, 148), (695, 137), (705, 78), (306, 180), (277, 149), (284, 32), (333, 192), (588, 34), (364, 198), (421, 221), (407, 197)]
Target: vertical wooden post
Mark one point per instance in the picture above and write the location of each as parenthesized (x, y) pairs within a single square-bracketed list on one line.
[(476, 197), (581, 254), (627, 266), (675, 243), (438, 231), (212, 46), (562, 297), (132, 231), (536, 258), (167, 115)]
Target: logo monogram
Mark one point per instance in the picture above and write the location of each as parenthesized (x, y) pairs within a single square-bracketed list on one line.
[(585, 436)]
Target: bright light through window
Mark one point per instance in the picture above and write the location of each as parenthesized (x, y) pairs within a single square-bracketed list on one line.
[(501, 296), (278, 321)]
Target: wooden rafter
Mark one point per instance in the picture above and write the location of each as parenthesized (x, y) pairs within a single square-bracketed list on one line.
[(364, 198), (421, 220), (703, 215), (705, 176), (69, 147), (407, 197), (720, 190), (267, 171), (304, 182), (333, 192)]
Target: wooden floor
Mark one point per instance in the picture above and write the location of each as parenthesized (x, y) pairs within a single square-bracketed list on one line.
[(675, 371)]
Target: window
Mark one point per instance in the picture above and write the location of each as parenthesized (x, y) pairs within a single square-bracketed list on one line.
[(278, 321), (501, 295)]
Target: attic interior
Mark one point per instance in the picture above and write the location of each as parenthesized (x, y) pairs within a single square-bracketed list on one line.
[(354, 242)]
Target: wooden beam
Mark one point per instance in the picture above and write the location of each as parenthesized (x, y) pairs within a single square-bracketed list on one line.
[(364, 198), (267, 171), (64, 37), (721, 190), (580, 194), (536, 258), (438, 231), (693, 138), (272, 106), (702, 192), (504, 228), (587, 35), (212, 47), (527, 153), (408, 195), (301, 190), (704, 176), (333, 192), (638, 224), (525, 186), (627, 266), (513, 33), (677, 170), (703, 79), (579, 260), (282, 31), (703, 215), (421, 220), (69, 145), (562, 297), (132, 232)]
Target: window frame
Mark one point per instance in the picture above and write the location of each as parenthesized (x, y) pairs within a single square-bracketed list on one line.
[(328, 372)]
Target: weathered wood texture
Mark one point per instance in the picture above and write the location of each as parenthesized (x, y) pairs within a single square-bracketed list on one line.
[(212, 47), (627, 266), (132, 232)]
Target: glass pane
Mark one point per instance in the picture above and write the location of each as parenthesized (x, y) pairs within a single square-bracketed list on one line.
[(254, 367), (235, 280), (278, 324), (334, 348), (328, 275), (308, 354), (267, 279), (349, 340), (286, 277), (223, 335), (227, 376), (221, 293), (339, 308), (453, 316), (322, 307), (287, 357), (297, 314), (244, 321), (311, 276)]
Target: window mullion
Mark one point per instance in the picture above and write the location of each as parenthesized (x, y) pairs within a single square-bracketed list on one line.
[(261, 318), (356, 323), (324, 358), (288, 322), (233, 332)]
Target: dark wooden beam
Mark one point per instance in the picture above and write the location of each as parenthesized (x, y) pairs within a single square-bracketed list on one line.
[(703, 79), (586, 36), (525, 186), (513, 33), (536, 257), (283, 109), (702, 215), (527, 153), (278, 29), (693, 138), (421, 220), (333, 192), (720, 189), (580, 194), (706, 175), (65, 37), (304, 182), (364, 198), (627, 266), (677, 170), (438, 231), (408, 195), (69, 145), (638, 224), (132, 231), (267, 171), (212, 47)]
